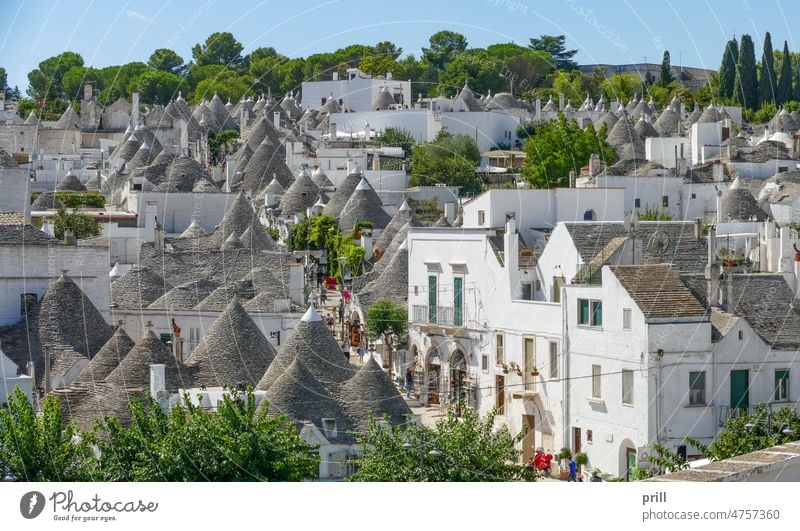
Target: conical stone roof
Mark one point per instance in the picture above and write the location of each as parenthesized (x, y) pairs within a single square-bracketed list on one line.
[(371, 391), (668, 123), (239, 217), (194, 230), (133, 372), (343, 192), (266, 163), (645, 128), (392, 282), (312, 343), (383, 100), (301, 194), (363, 205), (70, 183), (320, 178), (468, 99), (137, 289), (185, 296), (623, 132), (405, 214), (258, 240), (128, 148), (107, 359), (46, 201), (738, 204), (233, 350), (442, 222)]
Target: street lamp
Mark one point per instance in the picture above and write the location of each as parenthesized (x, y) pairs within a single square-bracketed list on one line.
[(433, 453)]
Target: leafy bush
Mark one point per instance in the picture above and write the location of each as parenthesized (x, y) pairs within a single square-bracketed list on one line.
[(77, 200), (83, 225)]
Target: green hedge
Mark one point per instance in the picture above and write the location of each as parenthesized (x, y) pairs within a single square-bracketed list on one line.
[(77, 200)]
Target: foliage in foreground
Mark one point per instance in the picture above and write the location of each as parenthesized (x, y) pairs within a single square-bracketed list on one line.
[(235, 443), (82, 225), (469, 450)]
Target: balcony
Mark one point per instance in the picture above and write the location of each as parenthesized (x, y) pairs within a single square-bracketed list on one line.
[(445, 316)]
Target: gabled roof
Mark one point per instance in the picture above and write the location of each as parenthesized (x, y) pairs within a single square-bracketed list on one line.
[(233, 350), (658, 291)]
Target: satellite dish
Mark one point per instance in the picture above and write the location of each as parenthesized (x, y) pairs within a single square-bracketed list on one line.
[(658, 243)]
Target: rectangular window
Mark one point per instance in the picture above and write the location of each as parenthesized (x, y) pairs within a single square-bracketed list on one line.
[(481, 217), (697, 388), (626, 319), (627, 387), (499, 349), (500, 402), (597, 313), (458, 301), (781, 385), (529, 349), (484, 362), (694, 196), (665, 201), (432, 294), (527, 291), (583, 311), (590, 313), (637, 203), (596, 381), (553, 359), (589, 436)]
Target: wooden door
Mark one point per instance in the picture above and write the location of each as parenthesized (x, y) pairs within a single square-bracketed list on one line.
[(529, 439), (500, 384), (577, 440)]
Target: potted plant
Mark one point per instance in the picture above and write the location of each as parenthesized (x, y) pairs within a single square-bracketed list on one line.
[(535, 372), (564, 455), (581, 459)]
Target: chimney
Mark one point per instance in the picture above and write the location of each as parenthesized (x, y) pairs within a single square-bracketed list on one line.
[(158, 389), (69, 237), (594, 164), (683, 167), (538, 110), (572, 178), (158, 241), (450, 212), (511, 245), (698, 229), (135, 109), (329, 428), (561, 101), (366, 241), (333, 137), (276, 119), (184, 136), (718, 170), (335, 75), (712, 268), (88, 94), (728, 305)]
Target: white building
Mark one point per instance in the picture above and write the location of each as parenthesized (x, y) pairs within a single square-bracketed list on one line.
[(357, 92)]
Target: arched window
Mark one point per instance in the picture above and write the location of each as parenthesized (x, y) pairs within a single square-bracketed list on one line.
[(588, 215)]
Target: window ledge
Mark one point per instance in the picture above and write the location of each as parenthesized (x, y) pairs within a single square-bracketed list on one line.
[(598, 401), (590, 327), (697, 406), (627, 405)]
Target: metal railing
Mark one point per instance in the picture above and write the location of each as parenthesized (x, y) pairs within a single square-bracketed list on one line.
[(442, 315)]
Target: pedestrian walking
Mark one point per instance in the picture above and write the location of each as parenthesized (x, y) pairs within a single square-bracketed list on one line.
[(323, 296), (360, 351), (346, 295), (409, 379), (341, 310), (346, 349), (573, 470)]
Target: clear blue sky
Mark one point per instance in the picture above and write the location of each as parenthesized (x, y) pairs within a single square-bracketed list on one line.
[(108, 32)]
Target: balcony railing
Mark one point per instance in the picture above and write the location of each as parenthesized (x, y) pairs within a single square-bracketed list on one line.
[(441, 315)]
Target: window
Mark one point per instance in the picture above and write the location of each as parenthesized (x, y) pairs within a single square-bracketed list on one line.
[(596, 381), (500, 399), (553, 359), (432, 293), (484, 362), (588, 215), (481, 217), (558, 283), (627, 387), (324, 100), (741, 335), (458, 301), (626, 319), (590, 313), (538, 286), (589, 436), (637, 203), (694, 196), (499, 350), (781, 385), (697, 388), (529, 351), (665, 201)]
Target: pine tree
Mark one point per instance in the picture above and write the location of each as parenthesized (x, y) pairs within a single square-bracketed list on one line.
[(746, 86), (767, 84), (666, 76), (796, 75), (785, 82), (727, 71)]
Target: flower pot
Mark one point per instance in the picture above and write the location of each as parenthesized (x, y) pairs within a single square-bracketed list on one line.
[(564, 474), (535, 373)]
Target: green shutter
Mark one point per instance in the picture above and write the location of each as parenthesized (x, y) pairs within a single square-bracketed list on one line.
[(432, 299), (458, 301), (583, 311), (597, 313)]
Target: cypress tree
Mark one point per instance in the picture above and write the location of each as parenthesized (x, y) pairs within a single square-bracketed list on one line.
[(785, 81), (746, 86), (727, 71), (796, 92), (767, 84), (666, 71)]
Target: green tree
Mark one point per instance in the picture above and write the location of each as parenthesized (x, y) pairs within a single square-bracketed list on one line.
[(264, 63), (155, 86), (555, 47), (45, 81), (238, 442), (83, 225), (559, 146), (796, 90), (388, 322), (727, 70), (665, 77), (621, 86), (74, 79), (38, 447), (444, 46), (667, 460), (388, 49), (654, 214), (449, 160), (401, 138), (166, 60), (767, 83), (3, 79), (749, 433), (746, 85), (379, 65), (465, 448), (785, 82), (229, 85), (220, 48), (218, 142)]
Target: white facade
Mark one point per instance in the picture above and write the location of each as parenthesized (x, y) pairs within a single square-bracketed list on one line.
[(9, 380), (356, 92), (15, 191)]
